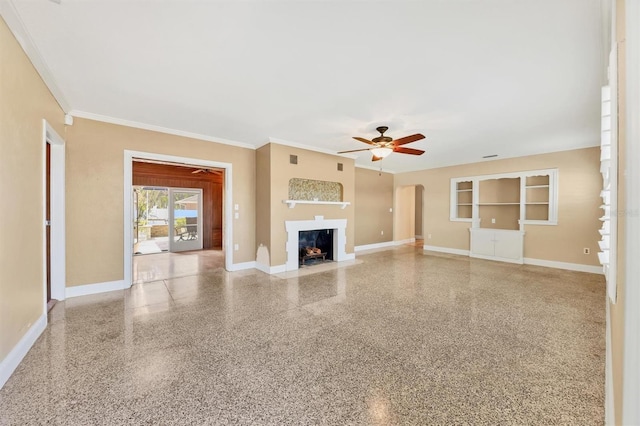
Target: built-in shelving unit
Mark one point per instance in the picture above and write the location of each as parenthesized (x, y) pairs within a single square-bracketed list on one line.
[(462, 200), (499, 206), (292, 203)]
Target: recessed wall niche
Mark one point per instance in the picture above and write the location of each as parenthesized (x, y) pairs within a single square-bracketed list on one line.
[(314, 190)]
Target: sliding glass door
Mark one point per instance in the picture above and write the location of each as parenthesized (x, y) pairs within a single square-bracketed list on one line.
[(185, 219)]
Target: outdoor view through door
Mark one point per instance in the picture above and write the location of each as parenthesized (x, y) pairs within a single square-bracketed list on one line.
[(167, 219)]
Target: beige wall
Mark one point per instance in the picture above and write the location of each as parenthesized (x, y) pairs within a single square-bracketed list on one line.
[(578, 210), (616, 311), (405, 207), (373, 201), (95, 181), (24, 102), (263, 196), (311, 165), (419, 205)]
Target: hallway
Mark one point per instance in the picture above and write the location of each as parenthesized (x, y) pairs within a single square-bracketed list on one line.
[(402, 337)]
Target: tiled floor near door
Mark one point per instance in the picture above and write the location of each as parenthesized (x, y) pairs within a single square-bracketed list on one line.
[(399, 338)]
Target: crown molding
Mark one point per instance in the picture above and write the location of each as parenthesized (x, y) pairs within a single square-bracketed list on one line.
[(159, 129), (16, 25), (307, 147), (377, 169)]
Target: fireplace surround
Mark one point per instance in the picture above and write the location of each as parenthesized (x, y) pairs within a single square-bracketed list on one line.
[(293, 228)]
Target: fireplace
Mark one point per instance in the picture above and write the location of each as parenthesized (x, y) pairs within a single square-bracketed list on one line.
[(337, 244), (315, 246)]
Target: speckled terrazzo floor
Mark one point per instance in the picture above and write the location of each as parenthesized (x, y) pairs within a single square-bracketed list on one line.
[(400, 338)]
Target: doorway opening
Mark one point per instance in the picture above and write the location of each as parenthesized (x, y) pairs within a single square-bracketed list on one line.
[(177, 210)]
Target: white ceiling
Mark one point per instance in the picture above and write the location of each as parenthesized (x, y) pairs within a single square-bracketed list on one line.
[(477, 77)]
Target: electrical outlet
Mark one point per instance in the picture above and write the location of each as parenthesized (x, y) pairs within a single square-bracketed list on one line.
[(237, 215), (236, 247), (428, 236), (390, 210), (493, 220), (587, 250), (381, 232)]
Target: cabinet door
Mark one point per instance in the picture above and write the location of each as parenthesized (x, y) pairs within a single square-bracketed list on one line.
[(508, 245), (482, 242)]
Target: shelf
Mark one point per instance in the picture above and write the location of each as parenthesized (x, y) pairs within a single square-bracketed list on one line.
[(465, 190), (537, 202), (536, 186), (464, 204), (292, 203), (499, 204)]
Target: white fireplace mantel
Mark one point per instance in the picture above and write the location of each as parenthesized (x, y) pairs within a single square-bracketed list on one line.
[(292, 203), (293, 227)]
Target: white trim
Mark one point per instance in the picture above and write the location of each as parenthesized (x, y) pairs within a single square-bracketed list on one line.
[(13, 359), (293, 227), (159, 129), (128, 204), (242, 266), (374, 246), (405, 241), (377, 169), (87, 289), (278, 269), (306, 147), (292, 203), (19, 30), (58, 215), (499, 259), (446, 250), (609, 406), (631, 366), (593, 269)]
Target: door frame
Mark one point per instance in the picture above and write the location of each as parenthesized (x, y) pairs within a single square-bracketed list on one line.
[(227, 242), (58, 228)]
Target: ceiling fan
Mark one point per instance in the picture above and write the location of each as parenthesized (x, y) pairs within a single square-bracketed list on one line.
[(384, 145), (212, 171)]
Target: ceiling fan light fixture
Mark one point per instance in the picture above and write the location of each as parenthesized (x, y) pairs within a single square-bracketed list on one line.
[(381, 152)]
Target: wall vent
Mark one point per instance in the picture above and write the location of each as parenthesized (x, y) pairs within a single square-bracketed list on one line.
[(293, 159), (340, 166)]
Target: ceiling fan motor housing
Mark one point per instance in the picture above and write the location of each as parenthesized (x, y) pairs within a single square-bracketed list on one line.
[(382, 137)]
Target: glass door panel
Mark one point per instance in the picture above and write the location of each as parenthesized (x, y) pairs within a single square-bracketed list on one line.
[(185, 216)]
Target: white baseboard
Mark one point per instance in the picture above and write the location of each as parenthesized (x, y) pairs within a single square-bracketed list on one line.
[(497, 259), (13, 359), (374, 246), (446, 250), (242, 266), (348, 256), (87, 289), (563, 265), (407, 241), (278, 269)]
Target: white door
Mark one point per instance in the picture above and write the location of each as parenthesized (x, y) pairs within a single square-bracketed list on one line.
[(185, 219)]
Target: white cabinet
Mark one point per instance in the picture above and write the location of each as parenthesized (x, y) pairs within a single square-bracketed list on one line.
[(497, 244)]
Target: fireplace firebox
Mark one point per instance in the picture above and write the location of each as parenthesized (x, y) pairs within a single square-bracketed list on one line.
[(315, 246)]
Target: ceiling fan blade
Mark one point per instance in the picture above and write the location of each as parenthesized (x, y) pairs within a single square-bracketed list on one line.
[(363, 140), (354, 150), (408, 151), (374, 158), (408, 139)]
